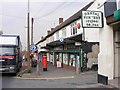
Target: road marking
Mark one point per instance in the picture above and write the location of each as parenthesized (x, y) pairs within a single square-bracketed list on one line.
[(97, 85), (52, 78)]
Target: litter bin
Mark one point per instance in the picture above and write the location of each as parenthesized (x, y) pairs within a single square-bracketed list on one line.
[(44, 62)]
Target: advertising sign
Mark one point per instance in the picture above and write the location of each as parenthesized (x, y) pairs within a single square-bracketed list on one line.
[(92, 19)]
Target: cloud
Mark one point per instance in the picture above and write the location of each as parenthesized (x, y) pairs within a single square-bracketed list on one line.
[(47, 0)]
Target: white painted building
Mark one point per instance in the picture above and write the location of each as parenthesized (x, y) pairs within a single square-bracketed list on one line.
[(109, 37), (76, 42)]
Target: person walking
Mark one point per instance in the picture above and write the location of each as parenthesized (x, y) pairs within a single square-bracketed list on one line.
[(35, 58)]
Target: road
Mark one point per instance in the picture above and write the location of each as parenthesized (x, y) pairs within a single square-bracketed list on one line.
[(83, 81)]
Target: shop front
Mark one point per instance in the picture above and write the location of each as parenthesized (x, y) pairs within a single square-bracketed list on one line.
[(69, 58)]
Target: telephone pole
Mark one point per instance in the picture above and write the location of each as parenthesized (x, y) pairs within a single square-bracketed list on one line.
[(32, 20), (28, 38)]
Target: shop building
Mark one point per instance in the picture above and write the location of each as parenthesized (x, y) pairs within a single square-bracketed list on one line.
[(109, 57), (109, 37), (75, 47)]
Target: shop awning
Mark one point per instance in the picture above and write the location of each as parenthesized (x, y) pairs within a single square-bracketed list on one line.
[(76, 38), (67, 51), (69, 40)]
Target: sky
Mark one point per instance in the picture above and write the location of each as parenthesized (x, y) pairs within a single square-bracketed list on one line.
[(13, 16)]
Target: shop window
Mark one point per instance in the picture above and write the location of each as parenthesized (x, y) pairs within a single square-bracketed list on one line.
[(65, 59), (73, 27), (72, 60)]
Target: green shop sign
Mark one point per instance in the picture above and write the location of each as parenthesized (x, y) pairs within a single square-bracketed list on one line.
[(117, 14)]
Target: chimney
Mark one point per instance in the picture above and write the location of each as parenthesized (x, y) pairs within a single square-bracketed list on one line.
[(42, 37), (60, 20), (52, 29), (48, 32), (1, 32)]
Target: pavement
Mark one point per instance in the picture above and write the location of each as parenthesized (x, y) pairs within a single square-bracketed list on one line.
[(51, 73), (115, 82), (54, 73)]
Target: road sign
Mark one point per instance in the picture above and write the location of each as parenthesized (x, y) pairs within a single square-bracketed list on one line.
[(32, 47), (61, 39)]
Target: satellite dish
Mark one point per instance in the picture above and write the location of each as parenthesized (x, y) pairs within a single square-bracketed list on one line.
[(1, 32)]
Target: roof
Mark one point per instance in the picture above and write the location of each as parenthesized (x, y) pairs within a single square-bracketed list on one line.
[(73, 18), (9, 35), (69, 40)]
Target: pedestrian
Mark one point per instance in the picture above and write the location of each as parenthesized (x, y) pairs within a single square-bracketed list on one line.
[(34, 59), (31, 59), (35, 55), (39, 56)]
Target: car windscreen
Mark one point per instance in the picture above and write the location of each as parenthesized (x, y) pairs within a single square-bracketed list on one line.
[(6, 51)]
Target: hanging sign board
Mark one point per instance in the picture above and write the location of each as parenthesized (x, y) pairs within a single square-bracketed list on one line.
[(92, 19)]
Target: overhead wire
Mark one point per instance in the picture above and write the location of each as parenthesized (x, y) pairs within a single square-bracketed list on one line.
[(62, 5), (12, 16), (45, 15), (39, 10)]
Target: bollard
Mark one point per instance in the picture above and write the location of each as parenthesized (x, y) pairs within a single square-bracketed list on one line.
[(38, 67), (44, 62)]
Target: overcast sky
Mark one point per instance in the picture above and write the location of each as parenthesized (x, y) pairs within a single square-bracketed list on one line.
[(13, 15)]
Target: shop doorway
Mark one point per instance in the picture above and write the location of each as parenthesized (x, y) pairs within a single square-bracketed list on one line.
[(117, 53), (69, 58)]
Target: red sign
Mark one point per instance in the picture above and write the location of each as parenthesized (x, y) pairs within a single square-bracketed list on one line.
[(7, 57), (78, 25)]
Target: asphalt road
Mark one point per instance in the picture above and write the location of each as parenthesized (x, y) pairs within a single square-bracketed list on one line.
[(83, 81)]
